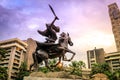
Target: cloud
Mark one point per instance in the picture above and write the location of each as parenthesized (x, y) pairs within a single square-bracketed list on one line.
[(15, 23), (10, 21)]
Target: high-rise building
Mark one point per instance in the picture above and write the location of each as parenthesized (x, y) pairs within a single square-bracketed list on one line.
[(16, 50), (95, 56), (114, 14), (113, 59)]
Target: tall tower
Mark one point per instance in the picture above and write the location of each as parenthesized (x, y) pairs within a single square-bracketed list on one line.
[(114, 14)]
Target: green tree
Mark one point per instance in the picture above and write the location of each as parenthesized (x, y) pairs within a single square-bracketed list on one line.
[(2, 53), (44, 69), (3, 71), (76, 67), (22, 71), (55, 68), (51, 62), (101, 68), (116, 75)]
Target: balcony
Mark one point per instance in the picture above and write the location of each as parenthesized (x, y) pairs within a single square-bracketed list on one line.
[(116, 68), (16, 67), (18, 59), (15, 62), (15, 71), (112, 58), (13, 44), (5, 66), (116, 65), (3, 62), (13, 75), (7, 55), (18, 52), (6, 58)]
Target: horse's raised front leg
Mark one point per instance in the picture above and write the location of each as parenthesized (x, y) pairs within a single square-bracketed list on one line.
[(64, 57)]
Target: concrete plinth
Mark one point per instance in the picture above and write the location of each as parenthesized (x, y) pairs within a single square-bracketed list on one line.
[(39, 78)]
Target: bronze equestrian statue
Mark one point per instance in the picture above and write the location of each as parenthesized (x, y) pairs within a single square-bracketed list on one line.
[(45, 51), (50, 50)]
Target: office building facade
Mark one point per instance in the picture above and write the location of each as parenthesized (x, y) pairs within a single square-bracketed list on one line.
[(95, 56), (16, 51), (113, 59)]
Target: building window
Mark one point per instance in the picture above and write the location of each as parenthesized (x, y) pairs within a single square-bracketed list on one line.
[(91, 54)]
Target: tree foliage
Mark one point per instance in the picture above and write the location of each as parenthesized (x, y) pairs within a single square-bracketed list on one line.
[(101, 68), (22, 71), (52, 62), (44, 69), (2, 53), (116, 75), (3, 73), (76, 67)]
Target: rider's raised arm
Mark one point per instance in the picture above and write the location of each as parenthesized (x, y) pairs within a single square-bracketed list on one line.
[(56, 18)]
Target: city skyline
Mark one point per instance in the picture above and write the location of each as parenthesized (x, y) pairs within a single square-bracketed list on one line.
[(87, 22)]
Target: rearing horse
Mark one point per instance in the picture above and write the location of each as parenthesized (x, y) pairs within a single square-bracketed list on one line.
[(45, 51)]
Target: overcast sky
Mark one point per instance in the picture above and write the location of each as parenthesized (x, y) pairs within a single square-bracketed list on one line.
[(87, 22)]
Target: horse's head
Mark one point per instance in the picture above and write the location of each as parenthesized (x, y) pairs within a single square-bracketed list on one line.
[(69, 40), (65, 39)]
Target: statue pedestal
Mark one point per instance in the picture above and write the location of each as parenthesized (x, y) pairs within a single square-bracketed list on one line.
[(39, 78), (51, 76)]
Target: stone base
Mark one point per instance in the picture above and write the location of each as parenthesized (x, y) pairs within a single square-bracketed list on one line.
[(39, 78), (51, 76)]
